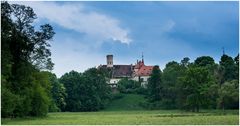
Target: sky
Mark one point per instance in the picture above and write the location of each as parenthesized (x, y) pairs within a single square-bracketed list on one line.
[(163, 31)]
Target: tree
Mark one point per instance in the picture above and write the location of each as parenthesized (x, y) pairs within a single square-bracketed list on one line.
[(185, 61), (171, 93), (195, 86), (228, 66), (8, 99), (208, 63), (236, 60), (23, 82), (229, 95), (204, 61), (58, 94), (41, 94), (72, 82), (87, 91), (98, 90), (155, 85)]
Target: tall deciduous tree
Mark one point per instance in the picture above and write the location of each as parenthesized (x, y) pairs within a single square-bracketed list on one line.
[(72, 82), (204, 61), (23, 82), (58, 94), (195, 86), (228, 66), (171, 91), (155, 85), (229, 95), (98, 90)]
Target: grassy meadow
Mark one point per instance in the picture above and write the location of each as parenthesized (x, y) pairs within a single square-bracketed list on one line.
[(155, 117), (126, 110)]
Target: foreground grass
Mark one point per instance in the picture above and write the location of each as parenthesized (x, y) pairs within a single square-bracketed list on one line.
[(132, 117)]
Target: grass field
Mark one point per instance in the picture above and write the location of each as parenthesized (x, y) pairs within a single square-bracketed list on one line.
[(131, 117), (126, 110)]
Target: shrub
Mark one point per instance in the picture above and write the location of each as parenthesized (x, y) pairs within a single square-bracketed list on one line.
[(129, 86)]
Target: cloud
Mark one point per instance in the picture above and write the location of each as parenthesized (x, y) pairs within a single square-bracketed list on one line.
[(75, 16), (77, 50)]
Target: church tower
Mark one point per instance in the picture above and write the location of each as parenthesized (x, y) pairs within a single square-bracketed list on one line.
[(142, 58), (109, 60)]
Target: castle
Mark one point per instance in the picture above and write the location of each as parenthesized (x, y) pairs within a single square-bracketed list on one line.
[(138, 72)]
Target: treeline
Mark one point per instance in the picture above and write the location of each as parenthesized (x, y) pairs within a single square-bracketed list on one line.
[(202, 84)]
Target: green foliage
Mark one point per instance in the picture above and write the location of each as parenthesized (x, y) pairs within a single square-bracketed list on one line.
[(117, 96), (8, 100), (72, 82), (195, 85), (121, 102), (25, 89), (126, 85), (208, 63), (171, 91), (204, 61), (228, 67), (185, 61), (40, 102), (58, 94), (155, 85), (192, 86), (236, 61), (229, 95), (97, 90), (86, 92)]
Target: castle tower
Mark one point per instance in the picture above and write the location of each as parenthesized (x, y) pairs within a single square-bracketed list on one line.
[(109, 60)]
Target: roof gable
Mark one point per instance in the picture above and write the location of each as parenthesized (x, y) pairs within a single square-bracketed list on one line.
[(145, 71)]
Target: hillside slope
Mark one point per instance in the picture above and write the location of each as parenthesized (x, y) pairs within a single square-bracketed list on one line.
[(127, 102)]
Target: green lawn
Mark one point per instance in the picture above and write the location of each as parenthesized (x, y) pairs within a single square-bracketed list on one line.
[(132, 117)]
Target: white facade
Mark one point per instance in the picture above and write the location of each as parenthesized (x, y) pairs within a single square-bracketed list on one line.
[(143, 79), (135, 78), (114, 80)]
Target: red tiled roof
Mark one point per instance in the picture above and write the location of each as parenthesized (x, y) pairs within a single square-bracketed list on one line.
[(144, 71), (139, 64)]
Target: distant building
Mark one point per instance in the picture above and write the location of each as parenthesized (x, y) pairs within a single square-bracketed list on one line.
[(138, 72), (142, 72)]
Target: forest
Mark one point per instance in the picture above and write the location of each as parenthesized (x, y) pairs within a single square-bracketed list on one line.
[(29, 88)]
